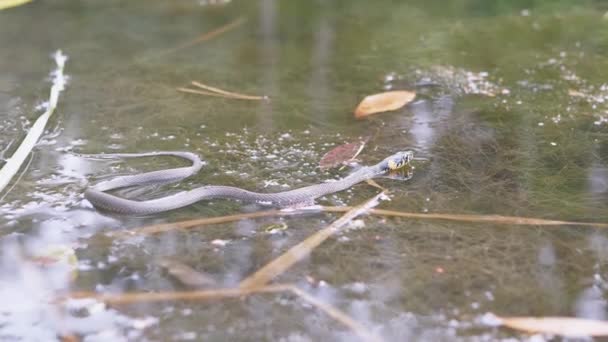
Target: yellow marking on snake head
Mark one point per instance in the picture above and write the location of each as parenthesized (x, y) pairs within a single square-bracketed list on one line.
[(393, 165), (398, 160)]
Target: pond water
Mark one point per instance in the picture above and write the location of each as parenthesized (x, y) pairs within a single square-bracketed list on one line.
[(511, 118)]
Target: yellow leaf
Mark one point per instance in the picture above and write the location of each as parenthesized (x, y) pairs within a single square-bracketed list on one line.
[(565, 326), (383, 102), (4, 4)]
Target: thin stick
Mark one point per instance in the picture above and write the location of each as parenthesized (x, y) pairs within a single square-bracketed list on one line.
[(298, 252), (165, 227), (16, 160), (337, 314), (495, 219), (206, 36), (228, 93), (202, 92), (147, 297), (498, 219), (376, 185)]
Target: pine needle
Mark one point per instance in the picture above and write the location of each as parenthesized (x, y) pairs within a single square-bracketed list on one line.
[(202, 92), (494, 219), (213, 91), (205, 36), (228, 93)]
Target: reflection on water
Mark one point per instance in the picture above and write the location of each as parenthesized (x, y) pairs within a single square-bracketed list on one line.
[(427, 117), (598, 180), (509, 117)]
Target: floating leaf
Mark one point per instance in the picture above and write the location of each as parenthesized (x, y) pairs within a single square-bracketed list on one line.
[(341, 154), (12, 3), (565, 326), (383, 102)]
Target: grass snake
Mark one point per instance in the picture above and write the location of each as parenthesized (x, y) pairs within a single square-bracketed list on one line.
[(100, 199)]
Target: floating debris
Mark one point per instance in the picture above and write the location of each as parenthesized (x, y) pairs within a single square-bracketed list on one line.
[(383, 102)]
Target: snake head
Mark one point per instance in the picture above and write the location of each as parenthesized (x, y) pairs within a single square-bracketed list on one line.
[(396, 161)]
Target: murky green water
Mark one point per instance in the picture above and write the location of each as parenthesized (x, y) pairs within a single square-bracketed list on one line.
[(516, 123)]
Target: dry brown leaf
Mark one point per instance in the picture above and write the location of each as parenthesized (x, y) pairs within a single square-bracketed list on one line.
[(565, 326), (383, 102), (341, 154)]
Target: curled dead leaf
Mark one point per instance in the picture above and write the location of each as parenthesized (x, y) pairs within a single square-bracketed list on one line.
[(383, 102), (341, 154), (564, 326)]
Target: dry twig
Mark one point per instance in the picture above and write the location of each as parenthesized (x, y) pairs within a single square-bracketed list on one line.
[(147, 297), (298, 252), (494, 219)]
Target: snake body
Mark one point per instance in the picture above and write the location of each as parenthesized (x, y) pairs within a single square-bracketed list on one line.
[(100, 199)]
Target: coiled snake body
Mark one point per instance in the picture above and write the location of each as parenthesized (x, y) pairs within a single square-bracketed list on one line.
[(100, 199)]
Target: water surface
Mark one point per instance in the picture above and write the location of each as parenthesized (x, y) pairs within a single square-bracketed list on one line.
[(514, 122)]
